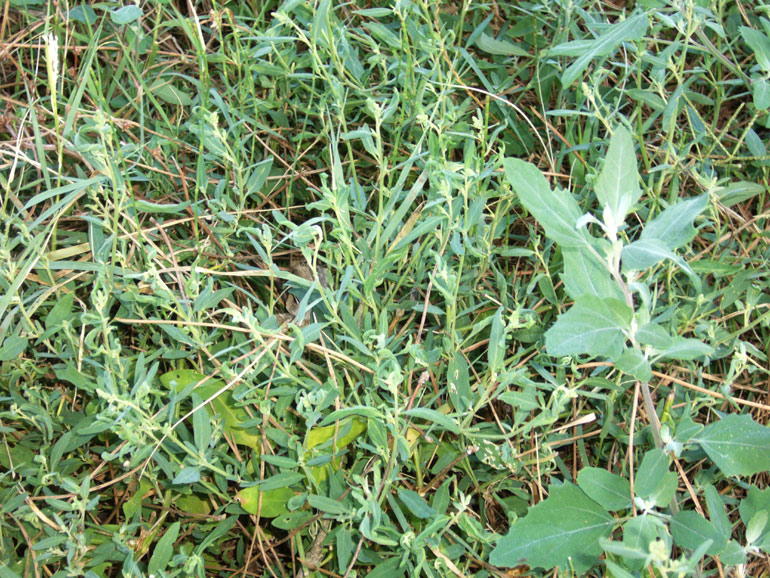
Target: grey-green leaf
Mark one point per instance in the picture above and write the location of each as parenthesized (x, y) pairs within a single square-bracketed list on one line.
[(673, 227), (655, 335), (126, 15), (584, 274), (163, 550), (610, 490), (562, 530), (416, 504), (739, 191), (689, 530), (593, 326), (556, 210), (651, 473), (646, 253), (458, 382), (496, 351), (737, 445), (633, 362), (717, 513), (760, 44), (686, 348), (326, 504), (497, 47), (617, 188), (632, 28)]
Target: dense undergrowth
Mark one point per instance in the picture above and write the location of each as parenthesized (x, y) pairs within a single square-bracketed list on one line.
[(304, 205)]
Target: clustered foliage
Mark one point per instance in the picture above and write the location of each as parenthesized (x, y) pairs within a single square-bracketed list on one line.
[(409, 288)]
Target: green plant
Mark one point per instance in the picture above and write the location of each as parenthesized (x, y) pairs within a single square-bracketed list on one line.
[(617, 315)]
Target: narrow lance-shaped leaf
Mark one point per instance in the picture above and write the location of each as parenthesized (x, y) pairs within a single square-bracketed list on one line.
[(618, 185), (632, 28)]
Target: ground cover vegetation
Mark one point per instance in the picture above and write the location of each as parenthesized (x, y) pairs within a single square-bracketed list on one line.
[(420, 288)]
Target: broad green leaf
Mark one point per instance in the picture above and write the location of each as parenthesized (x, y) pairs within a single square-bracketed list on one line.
[(201, 426), (83, 13), (584, 274), (126, 15), (633, 362), (259, 175), (653, 334), (607, 489), (593, 326), (416, 504), (134, 503), (233, 416), (632, 28), (760, 44), (651, 473), (617, 187), (192, 504), (673, 227), (689, 530), (555, 210), (732, 554), (686, 348), (739, 192), (737, 445), (755, 526), (458, 383), (639, 532), (346, 431), (757, 502), (6, 572), (645, 253), (497, 47), (434, 416), (273, 501), (562, 530), (13, 347), (164, 549)]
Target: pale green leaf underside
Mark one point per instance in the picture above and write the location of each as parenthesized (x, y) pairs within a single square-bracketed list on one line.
[(584, 274), (673, 227), (617, 188)]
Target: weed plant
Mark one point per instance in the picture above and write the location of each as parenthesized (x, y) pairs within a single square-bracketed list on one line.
[(420, 288)]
